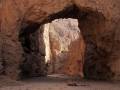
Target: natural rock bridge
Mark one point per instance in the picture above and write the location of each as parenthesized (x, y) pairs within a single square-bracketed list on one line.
[(99, 22)]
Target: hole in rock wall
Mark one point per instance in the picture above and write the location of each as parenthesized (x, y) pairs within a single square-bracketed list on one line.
[(48, 47), (53, 48)]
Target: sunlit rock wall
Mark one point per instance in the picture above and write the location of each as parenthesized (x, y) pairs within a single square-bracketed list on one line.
[(67, 47)]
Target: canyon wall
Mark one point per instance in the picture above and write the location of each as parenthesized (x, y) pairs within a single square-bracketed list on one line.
[(99, 21), (33, 46)]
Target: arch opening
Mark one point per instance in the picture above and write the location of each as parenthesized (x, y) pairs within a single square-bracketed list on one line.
[(90, 24)]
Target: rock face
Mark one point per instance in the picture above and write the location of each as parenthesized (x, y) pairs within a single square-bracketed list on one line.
[(1, 62), (67, 47), (99, 21), (34, 56)]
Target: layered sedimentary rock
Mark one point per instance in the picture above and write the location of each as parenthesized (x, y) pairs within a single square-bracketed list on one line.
[(67, 47), (99, 21)]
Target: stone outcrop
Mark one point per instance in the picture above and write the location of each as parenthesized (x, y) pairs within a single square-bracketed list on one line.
[(99, 21), (67, 47)]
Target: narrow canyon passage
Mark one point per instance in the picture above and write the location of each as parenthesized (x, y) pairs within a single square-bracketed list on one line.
[(65, 47), (54, 48)]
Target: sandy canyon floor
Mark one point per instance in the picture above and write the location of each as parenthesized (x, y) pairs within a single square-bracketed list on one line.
[(56, 82)]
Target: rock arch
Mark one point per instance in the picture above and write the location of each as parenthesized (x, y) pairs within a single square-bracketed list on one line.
[(96, 20)]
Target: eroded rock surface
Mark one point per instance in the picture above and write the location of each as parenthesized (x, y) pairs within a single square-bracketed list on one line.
[(99, 21)]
